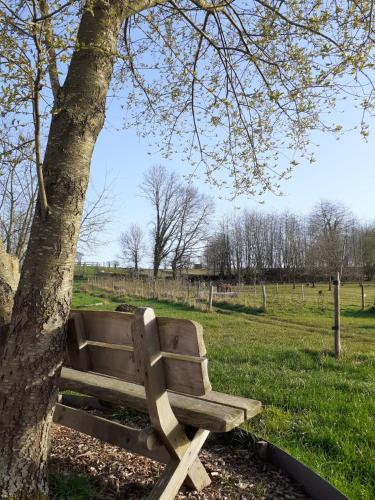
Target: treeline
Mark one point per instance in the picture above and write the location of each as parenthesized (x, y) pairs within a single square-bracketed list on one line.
[(250, 246), (287, 247)]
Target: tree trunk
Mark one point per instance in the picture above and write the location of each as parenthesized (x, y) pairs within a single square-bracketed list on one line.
[(157, 263), (174, 269), (136, 263), (32, 358)]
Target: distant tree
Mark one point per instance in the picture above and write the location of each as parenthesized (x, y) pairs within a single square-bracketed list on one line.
[(218, 252), (330, 226), (253, 227), (193, 217), (165, 193), (294, 244), (18, 195), (79, 258), (132, 245), (96, 217), (286, 246), (9, 276), (237, 247), (368, 252)]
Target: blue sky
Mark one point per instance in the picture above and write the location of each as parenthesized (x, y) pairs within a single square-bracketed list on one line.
[(344, 171)]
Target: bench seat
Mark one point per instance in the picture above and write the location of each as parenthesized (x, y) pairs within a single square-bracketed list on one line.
[(214, 411)]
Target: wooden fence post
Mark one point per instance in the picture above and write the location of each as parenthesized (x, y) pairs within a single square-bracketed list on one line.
[(211, 292), (336, 327), (302, 293), (264, 298), (363, 295)]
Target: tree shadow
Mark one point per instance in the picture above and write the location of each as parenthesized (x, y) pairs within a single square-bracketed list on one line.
[(71, 481), (358, 314), (141, 302), (318, 356), (239, 308)]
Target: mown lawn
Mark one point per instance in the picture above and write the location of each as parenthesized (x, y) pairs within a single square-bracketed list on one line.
[(318, 408)]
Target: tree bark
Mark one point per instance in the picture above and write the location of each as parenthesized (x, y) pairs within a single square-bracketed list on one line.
[(32, 357), (156, 263)]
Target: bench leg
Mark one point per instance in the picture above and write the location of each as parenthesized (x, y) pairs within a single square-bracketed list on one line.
[(177, 469), (197, 477)]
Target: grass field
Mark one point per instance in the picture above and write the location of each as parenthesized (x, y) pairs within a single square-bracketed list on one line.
[(318, 408)]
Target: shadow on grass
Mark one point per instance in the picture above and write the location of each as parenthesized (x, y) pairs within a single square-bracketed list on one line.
[(318, 356), (311, 360), (239, 308), (358, 314), (295, 360), (70, 482), (138, 301)]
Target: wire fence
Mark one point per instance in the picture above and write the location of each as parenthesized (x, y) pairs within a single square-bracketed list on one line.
[(258, 296)]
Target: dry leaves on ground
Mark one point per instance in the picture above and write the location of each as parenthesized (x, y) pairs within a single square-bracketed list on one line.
[(116, 474)]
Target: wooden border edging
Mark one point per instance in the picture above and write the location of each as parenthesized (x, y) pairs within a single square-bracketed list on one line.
[(314, 485)]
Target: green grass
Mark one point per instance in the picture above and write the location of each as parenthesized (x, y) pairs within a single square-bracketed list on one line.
[(318, 408)]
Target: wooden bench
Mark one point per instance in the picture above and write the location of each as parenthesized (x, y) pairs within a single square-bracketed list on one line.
[(157, 366)]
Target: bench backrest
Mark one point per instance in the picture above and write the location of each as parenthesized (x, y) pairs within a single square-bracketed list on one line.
[(103, 342)]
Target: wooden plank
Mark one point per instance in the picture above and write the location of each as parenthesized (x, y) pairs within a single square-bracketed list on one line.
[(178, 336), (82, 402), (174, 474), (76, 340), (130, 348), (149, 358), (181, 336), (163, 420), (250, 407), (114, 362), (108, 431), (186, 374), (180, 340), (108, 326), (189, 410)]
